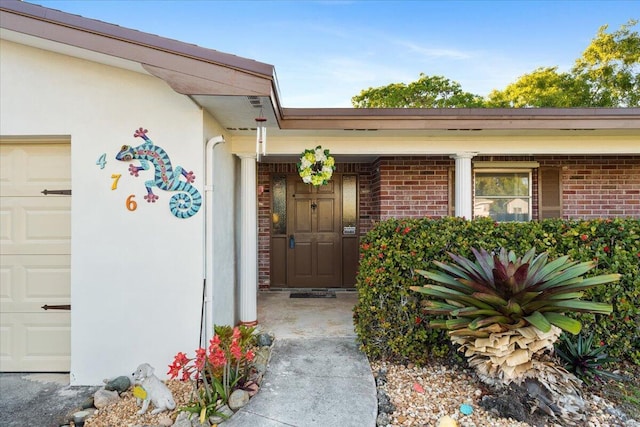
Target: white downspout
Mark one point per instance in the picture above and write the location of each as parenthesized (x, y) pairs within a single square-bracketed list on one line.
[(208, 232)]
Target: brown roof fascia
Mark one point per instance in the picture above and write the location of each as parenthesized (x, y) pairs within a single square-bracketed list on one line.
[(460, 118), (131, 44)]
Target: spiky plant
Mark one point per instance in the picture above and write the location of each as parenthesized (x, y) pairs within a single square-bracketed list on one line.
[(585, 359), (503, 292), (506, 311)]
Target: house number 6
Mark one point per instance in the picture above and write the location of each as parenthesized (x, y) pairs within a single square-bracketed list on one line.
[(131, 204)]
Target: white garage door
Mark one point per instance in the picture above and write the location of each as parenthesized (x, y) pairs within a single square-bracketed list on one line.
[(35, 256)]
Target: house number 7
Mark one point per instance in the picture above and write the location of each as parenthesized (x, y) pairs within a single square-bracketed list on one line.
[(116, 177)]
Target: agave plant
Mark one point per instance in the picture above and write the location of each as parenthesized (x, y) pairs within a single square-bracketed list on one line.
[(585, 359), (506, 313)]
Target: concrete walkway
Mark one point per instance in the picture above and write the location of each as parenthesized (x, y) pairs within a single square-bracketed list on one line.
[(317, 376), (313, 382)]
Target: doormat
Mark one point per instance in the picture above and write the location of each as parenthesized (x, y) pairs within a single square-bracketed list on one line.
[(312, 295)]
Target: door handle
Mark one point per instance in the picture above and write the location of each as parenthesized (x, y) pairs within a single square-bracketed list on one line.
[(56, 307), (292, 242)]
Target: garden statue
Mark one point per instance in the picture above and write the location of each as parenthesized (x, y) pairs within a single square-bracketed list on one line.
[(149, 388)]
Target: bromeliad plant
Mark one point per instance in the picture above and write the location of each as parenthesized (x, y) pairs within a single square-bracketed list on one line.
[(215, 372), (506, 311), (502, 292)]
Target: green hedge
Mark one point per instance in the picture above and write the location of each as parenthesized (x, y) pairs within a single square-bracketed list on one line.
[(388, 319)]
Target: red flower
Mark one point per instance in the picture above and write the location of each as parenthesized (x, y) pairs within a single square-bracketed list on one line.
[(217, 358), (418, 320), (235, 350), (584, 237), (249, 355), (201, 358), (214, 344), (174, 370), (181, 359), (607, 249), (406, 230), (365, 246), (236, 333)]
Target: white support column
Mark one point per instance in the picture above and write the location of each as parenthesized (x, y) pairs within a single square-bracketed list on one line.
[(464, 185), (248, 241)]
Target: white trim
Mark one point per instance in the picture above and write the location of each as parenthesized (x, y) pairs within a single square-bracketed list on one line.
[(502, 165), (248, 240)]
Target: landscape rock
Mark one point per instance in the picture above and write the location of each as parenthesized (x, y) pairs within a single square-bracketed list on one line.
[(182, 420), (165, 421), (103, 398), (446, 421), (514, 402), (466, 409), (238, 399), (261, 359), (223, 410), (119, 384), (383, 420), (264, 340), (384, 403)]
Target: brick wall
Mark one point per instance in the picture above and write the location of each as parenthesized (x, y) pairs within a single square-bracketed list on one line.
[(412, 187), (598, 186)]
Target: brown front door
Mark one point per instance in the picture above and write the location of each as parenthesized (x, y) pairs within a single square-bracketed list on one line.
[(314, 241)]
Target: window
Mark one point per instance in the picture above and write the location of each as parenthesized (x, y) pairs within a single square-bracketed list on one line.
[(502, 194), (279, 210)]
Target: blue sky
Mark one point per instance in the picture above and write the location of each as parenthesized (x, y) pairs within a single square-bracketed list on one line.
[(325, 52)]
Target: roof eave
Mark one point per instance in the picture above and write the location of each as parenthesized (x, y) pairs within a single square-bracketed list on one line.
[(460, 118), (173, 61)]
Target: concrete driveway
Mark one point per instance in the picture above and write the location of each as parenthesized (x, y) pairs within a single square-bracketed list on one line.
[(42, 400)]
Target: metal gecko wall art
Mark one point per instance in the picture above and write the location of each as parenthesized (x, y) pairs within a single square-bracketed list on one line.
[(184, 204)]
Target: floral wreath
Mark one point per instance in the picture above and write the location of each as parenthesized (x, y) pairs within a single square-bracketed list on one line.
[(316, 166)]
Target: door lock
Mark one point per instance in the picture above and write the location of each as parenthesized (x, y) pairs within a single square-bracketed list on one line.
[(292, 242)]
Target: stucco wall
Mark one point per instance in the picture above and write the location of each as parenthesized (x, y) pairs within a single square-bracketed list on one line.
[(136, 280)]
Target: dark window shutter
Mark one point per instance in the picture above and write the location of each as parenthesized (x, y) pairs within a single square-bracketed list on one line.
[(549, 192), (452, 192)]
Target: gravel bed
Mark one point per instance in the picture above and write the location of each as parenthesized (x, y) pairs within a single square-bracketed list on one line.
[(422, 395), (124, 413)]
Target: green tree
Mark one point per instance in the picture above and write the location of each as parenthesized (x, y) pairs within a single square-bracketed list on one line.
[(544, 87), (426, 92), (610, 67), (606, 75)]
